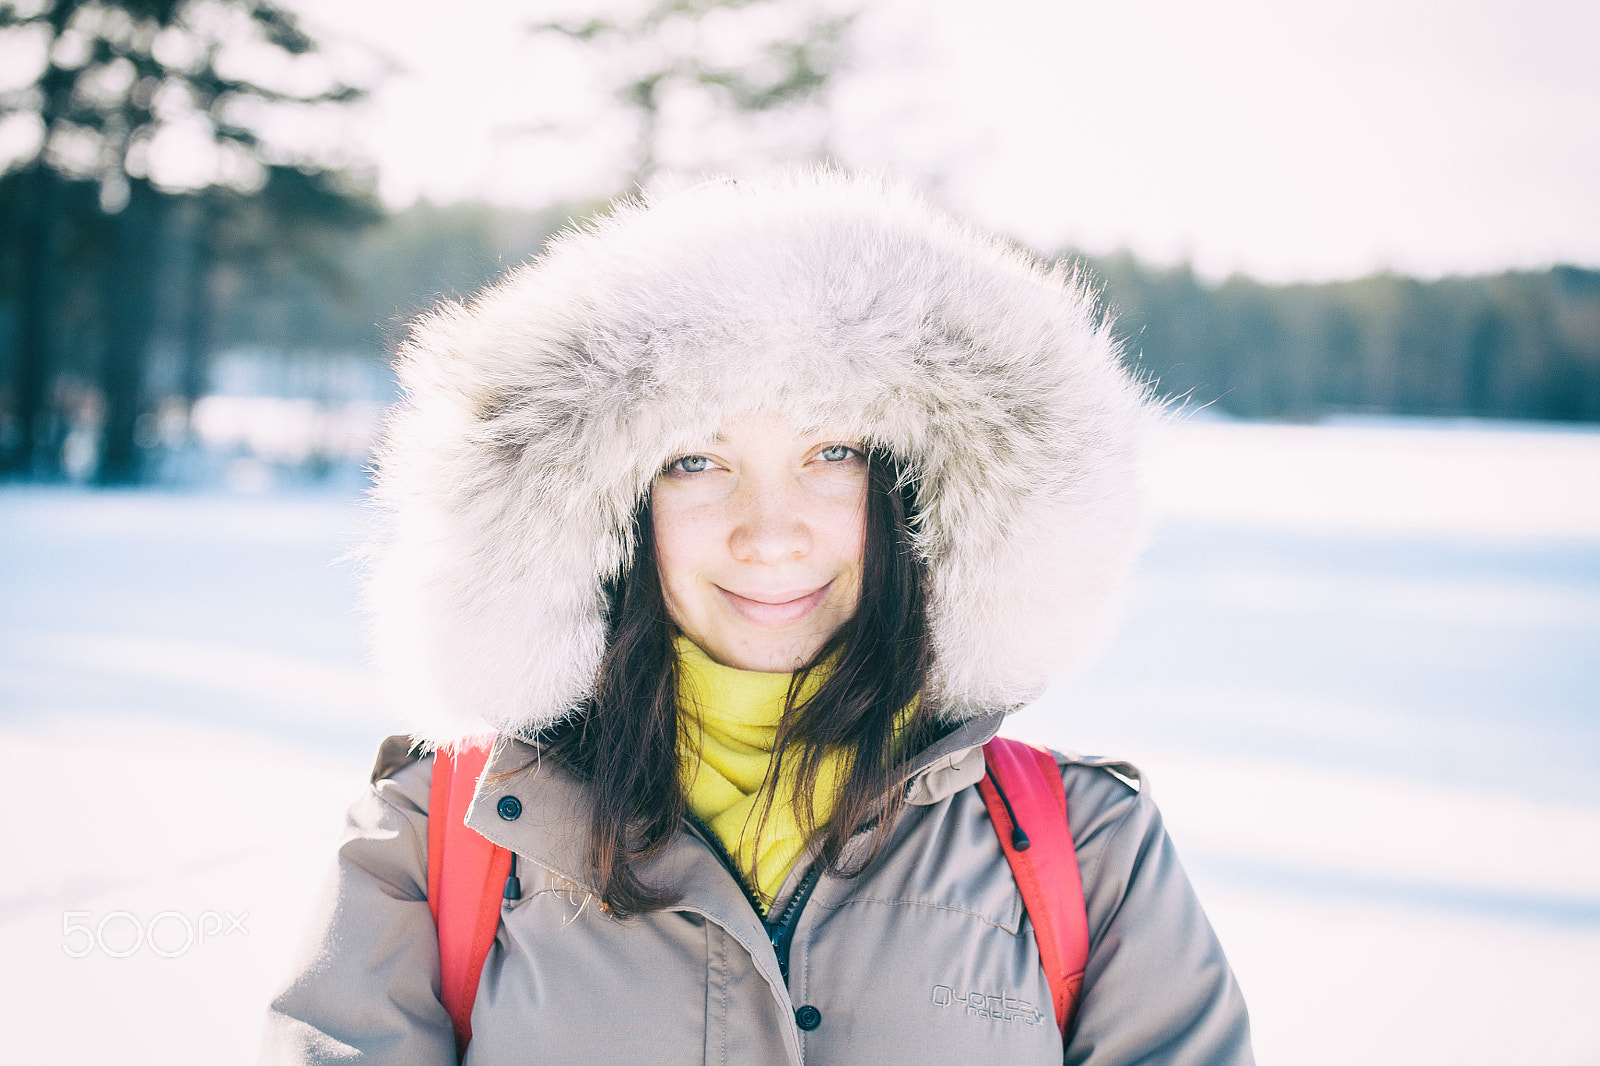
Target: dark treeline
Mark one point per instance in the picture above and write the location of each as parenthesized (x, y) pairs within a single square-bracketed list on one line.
[(1511, 345), (300, 273), (294, 273), (108, 316), (381, 275)]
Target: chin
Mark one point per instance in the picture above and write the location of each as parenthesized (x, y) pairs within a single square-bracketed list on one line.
[(777, 657)]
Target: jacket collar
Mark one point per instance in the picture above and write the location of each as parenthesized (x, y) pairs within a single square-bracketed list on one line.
[(551, 828), (953, 762)]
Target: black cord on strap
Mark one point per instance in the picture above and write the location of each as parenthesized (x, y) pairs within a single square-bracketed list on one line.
[(1019, 839), (513, 886)]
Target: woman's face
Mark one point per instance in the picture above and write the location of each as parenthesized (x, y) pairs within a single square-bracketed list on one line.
[(759, 538)]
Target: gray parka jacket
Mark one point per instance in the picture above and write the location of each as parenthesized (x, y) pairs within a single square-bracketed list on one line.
[(927, 957), (535, 420)]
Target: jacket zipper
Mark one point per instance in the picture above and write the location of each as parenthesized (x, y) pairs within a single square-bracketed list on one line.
[(780, 930)]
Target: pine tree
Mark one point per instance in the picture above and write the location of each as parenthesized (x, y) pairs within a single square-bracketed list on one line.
[(148, 103)]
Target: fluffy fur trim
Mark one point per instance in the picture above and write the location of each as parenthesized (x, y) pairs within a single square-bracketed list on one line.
[(537, 415)]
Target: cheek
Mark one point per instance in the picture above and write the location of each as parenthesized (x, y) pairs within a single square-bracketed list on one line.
[(672, 570), (681, 541), (846, 536)]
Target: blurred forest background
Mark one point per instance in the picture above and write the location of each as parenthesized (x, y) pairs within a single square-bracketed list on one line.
[(186, 284)]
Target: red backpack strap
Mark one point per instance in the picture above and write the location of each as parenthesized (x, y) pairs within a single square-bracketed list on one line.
[(1046, 868), (466, 878)]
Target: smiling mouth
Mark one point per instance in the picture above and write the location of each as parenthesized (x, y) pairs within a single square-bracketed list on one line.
[(779, 609)]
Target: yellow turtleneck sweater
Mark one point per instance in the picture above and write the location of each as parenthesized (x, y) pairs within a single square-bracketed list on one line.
[(729, 721)]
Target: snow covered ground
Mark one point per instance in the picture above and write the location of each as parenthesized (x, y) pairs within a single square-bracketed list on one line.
[(1361, 670)]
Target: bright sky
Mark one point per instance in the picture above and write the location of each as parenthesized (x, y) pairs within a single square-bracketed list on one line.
[(1285, 139)]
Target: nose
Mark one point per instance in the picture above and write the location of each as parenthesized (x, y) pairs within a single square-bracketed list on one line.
[(769, 524)]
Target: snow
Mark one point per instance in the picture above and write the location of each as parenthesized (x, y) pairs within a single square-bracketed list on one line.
[(1358, 670)]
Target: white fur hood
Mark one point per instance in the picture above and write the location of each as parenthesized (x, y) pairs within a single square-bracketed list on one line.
[(537, 415)]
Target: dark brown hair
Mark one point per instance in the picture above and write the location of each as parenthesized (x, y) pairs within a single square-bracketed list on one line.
[(624, 740)]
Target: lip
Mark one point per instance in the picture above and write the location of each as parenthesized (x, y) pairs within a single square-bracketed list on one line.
[(775, 608)]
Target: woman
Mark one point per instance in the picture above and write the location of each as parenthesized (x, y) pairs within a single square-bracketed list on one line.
[(743, 519)]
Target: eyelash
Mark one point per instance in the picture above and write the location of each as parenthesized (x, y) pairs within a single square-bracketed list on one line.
[(676, 466)]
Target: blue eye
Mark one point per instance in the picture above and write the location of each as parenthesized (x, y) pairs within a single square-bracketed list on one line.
[(837, 453), (689, 464)]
